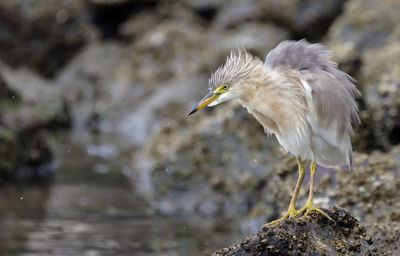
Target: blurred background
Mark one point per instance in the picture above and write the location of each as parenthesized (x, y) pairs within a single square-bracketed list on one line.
[(98, 158)]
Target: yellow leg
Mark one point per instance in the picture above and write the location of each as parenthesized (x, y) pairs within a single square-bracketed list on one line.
[(309, 207), (292, 212)]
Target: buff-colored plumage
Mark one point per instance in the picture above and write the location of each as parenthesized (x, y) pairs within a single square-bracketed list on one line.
[(299, 95)]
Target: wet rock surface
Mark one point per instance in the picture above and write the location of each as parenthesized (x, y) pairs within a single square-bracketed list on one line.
[(311, 235)]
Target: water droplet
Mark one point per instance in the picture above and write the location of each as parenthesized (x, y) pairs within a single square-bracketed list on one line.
[(21, 198), (68, 150), (13, 97)]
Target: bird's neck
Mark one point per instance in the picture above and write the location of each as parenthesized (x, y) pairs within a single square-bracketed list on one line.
[(275, 98)]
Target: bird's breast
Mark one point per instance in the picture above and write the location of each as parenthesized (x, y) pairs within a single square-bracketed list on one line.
[(294, 136)]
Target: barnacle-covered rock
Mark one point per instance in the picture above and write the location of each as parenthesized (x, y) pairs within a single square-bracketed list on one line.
[(313, 235)]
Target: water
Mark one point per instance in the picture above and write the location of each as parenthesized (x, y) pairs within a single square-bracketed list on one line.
[(90, 208)]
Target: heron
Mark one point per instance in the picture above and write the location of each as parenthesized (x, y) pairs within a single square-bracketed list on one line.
[(299, 95)]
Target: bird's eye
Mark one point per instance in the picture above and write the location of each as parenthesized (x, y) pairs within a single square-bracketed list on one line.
[(225, 86)]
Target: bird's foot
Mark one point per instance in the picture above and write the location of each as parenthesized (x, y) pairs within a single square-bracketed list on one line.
[(309, 207), (291, 213)]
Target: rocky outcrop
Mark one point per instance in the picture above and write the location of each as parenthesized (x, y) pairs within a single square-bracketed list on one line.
[(297, 16), (29, 106), (312, 235), (42, 35)]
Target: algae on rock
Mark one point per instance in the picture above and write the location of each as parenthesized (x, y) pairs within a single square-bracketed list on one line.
[(312, 235)]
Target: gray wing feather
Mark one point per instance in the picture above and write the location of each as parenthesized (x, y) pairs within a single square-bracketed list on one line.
[(333, 91)]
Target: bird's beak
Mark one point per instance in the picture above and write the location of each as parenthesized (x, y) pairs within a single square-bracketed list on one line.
[(210, 97)]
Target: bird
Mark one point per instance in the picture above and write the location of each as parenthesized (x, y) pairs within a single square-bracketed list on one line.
[(299, 95)]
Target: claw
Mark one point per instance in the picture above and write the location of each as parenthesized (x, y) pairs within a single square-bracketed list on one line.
[(309, 207), (291, 213)]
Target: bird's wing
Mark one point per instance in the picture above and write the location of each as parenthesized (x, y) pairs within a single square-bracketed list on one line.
[(331, 92)]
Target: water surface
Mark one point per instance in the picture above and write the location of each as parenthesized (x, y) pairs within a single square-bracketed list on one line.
[(90, 207)]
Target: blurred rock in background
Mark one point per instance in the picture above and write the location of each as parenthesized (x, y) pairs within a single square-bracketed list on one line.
[(366, 45), (42, 35), (134, 68), (29, 105)]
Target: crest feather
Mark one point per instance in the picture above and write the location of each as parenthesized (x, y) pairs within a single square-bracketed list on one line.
[(238, 65)]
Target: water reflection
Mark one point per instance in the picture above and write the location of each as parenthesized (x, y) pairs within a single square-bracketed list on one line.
[(90, 208)]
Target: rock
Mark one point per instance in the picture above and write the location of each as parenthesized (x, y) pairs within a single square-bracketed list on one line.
[(24, 155), (42, 35), (191, 45), (297, 16), (258, 38), (371, 193), (386, 236), (109, 15), (313, 235), (108, 2), (366, 46), (30, 106), (187, 50), (158, 110), (92, 85), (220, 163), (6, 92), (206, 9), (375, 25), (104, 97), (137, 25), (36, 102), (381, 86)]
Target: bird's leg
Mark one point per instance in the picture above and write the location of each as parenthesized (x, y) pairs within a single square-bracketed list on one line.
[(292, 212), (309, 207), (292, 206)]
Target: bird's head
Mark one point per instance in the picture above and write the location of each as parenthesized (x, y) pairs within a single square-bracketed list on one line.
[(226, 82)]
